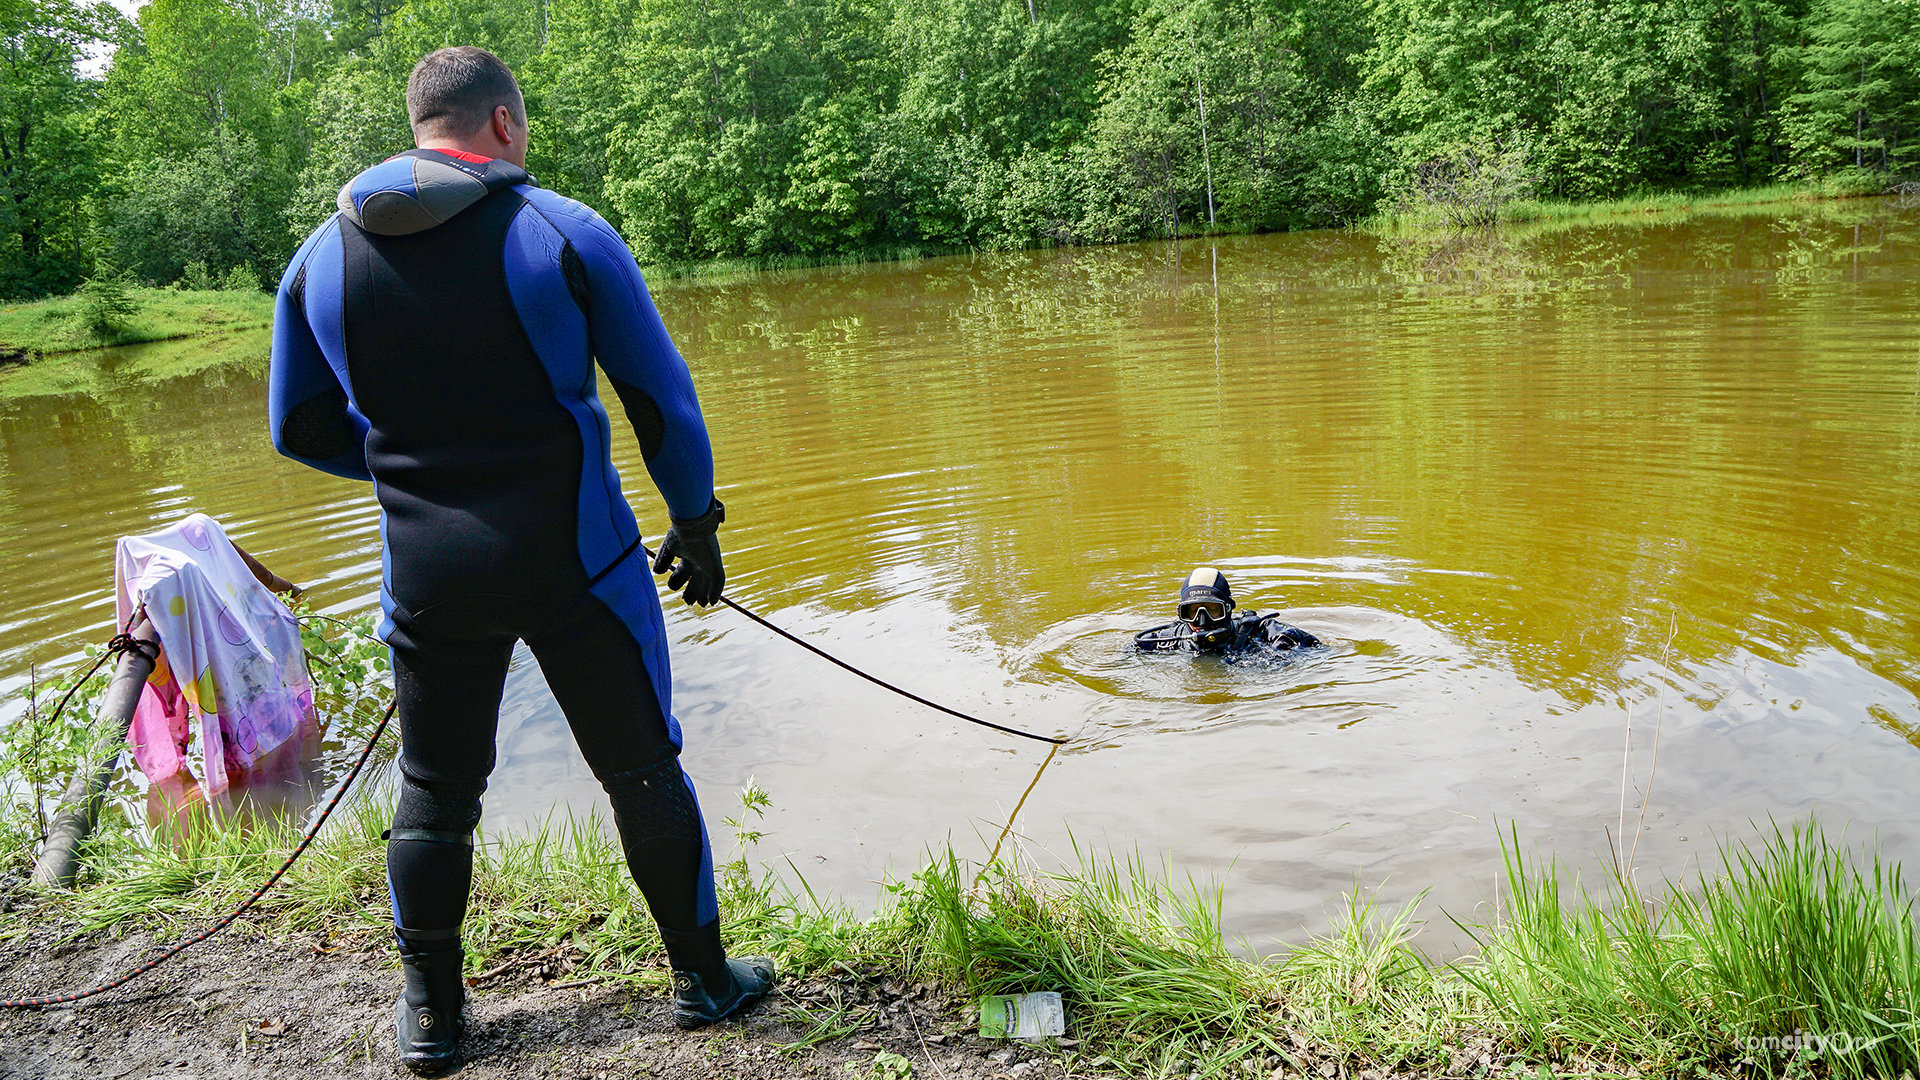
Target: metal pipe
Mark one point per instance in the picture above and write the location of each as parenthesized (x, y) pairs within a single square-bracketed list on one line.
[(59, 861)]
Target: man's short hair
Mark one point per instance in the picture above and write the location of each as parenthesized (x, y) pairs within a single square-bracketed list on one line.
[(453, 92)]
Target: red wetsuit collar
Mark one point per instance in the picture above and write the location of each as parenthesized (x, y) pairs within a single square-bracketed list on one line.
[(463, 155)]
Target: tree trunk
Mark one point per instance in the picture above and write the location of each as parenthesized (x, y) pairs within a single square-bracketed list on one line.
[(1205, 152), (1860, 124), (1760, 80)]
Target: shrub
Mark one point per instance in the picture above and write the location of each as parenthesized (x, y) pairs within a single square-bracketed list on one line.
[(106, 304), (241, 279), (195, 277), (1469, 184)]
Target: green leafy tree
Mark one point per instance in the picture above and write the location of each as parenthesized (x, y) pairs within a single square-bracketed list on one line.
[(1347, 157), (1207, 113), (1758, 70), (49, 164), (1613, 95), (1860, 105), (1633, 100), (354, 25), (197, 69), (1450, 71), (221, 129), (219, 205), (1010, 73), (358, 117), (513, 30), (577, 98), (725, 110), (987, 142), (211, 136)]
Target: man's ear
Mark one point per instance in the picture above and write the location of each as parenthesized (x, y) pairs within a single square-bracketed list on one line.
[(503, 124)]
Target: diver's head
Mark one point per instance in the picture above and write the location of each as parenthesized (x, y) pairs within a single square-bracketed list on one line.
[(1206, 606)]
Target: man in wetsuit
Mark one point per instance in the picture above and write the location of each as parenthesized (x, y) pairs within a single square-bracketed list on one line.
[(1208, 623), (438, 337)]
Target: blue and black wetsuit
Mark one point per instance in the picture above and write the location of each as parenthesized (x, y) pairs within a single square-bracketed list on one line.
[(438, 337)]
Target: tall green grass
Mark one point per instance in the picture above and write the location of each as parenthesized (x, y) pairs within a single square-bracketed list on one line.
[(563, 883), (1794, 939), (1145, 962), (163, 881), (1673, 202)]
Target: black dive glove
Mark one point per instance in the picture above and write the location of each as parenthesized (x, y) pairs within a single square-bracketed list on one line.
[(693, 542)]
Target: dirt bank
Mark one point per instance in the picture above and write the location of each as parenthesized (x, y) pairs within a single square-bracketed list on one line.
[(243, 1006)]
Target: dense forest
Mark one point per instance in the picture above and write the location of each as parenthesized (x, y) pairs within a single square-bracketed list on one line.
[(200, 139)]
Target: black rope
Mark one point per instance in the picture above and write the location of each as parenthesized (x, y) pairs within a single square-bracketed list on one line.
[(877, 681), (176, 949), (125, 642), (122, 642), (829, 657)]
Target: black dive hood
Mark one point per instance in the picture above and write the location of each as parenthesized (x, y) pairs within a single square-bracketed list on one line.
[(1203, 589)]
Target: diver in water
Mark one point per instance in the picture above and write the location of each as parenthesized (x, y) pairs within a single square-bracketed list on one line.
[(1208, 624)]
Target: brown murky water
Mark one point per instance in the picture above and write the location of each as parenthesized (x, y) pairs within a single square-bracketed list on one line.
[(1528, 488)]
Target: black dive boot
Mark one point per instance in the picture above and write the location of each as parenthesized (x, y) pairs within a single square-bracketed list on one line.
[(708, 987), (429, 1017), (695, 1007)]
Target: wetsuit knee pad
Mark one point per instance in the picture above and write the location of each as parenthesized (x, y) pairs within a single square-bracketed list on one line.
[(653, 802), (451, 806)]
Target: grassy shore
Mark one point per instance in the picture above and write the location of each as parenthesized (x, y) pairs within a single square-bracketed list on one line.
[(108, 373), (1563, 211), (1685, 202), (720, 269), (1539, 214), (1520, 211), (1800, 959), (49, 327)]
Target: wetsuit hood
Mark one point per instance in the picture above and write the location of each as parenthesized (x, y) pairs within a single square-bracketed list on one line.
[(415, 191), (1205, 584), (1208, 586)]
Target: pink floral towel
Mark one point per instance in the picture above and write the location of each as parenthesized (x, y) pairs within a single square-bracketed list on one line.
[(230, 657)]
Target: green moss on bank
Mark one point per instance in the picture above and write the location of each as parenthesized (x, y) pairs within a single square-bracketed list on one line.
[(50, 327)]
